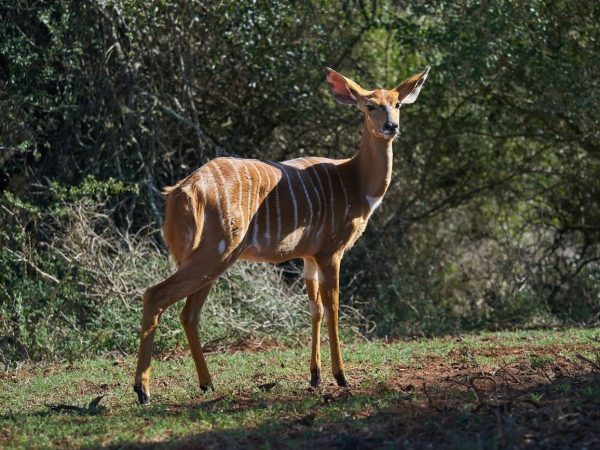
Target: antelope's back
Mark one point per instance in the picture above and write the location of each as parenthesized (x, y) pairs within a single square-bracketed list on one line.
[(278, 210)]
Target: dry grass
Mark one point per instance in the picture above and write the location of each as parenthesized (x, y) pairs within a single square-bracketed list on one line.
[(87, 276)]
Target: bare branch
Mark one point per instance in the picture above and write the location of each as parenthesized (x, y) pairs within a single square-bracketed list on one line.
[(30, 263)]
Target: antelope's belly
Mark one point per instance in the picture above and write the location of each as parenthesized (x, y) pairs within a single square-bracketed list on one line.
[(296, 244)]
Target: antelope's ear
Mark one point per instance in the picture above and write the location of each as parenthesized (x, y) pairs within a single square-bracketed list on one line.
[(343, 89), (409, 90)]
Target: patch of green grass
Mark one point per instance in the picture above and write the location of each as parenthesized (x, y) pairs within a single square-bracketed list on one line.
[(564, 387), (539, 361), (247, 407), (537, 396), (593, 392)]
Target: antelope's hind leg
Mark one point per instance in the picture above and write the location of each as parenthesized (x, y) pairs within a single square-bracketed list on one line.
[(188, 280), (190, 319), (156, 300)]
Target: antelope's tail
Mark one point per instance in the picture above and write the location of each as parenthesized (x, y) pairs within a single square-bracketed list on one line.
[(184, 220)]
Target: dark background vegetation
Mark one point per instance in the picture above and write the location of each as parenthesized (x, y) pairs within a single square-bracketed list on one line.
[(492, 219)]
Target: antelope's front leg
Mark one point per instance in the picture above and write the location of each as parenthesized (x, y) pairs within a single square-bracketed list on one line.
[(329, 279), (316, 312)]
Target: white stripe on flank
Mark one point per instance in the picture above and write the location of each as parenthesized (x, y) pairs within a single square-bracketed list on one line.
[(239, 186), (331, 195), (248, 209), (337, 170), (317, 196), (322, 191), (309, 223), (267, 209), (291, 189), (256, 206), (225, 217), (216, 190), (301, 164), (277, 210)]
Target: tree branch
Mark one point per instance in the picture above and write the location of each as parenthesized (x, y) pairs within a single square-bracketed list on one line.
[(202, 136)]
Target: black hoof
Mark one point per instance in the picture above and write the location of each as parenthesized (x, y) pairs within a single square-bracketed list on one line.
[(341, 380), (205, 387), (143, 398), (315, 377)]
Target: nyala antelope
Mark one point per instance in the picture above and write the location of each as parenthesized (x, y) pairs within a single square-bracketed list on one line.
[(309, 208)]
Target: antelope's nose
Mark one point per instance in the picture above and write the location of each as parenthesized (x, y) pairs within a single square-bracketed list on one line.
[(390, 127)]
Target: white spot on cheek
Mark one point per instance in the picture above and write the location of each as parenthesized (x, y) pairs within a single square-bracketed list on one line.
[(221, 246)]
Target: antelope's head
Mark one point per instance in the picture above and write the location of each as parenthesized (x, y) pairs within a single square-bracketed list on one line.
[(380, 106)]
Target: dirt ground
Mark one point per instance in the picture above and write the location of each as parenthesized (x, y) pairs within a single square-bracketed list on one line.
[(538, 399), (542, 400), (545, 397)]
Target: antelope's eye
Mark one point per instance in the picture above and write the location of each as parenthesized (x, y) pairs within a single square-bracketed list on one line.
[(398, 105), (371, 107)]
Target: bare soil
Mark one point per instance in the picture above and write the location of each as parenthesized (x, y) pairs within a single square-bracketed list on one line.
[(522, 397), (539, 399)]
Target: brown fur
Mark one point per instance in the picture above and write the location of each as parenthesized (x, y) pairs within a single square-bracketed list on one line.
[(184, 212)]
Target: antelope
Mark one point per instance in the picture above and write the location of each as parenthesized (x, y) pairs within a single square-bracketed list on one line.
[(311, 208)]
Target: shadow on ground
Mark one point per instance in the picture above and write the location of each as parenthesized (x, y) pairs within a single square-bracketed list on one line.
[(538, 401)]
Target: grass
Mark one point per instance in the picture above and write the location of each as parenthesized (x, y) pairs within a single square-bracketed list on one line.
[(447, 391)]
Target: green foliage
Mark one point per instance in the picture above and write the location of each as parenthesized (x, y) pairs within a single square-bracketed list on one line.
[(44, 314), (91, 189), (71, 283), (492, 218), (494, 211)]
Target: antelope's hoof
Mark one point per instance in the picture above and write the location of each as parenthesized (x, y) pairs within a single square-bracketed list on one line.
[(143, 397), (315, 377), (206, 387), (341, 380)]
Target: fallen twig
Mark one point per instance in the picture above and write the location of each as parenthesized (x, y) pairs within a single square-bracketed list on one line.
[(92, 409), (594, 364)]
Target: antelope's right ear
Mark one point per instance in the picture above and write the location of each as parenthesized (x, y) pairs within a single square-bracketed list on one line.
[(343, 89)]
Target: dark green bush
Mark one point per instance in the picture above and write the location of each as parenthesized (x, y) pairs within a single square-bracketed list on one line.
[(492, 218), (72, 283)]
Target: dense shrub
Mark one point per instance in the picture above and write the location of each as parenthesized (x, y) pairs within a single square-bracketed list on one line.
[(72, 284), (492, 219)]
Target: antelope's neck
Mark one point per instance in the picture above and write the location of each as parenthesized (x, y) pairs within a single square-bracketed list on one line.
[(374, 165)]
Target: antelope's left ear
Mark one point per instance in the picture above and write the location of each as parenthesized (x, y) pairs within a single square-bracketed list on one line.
[(409, 90)]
